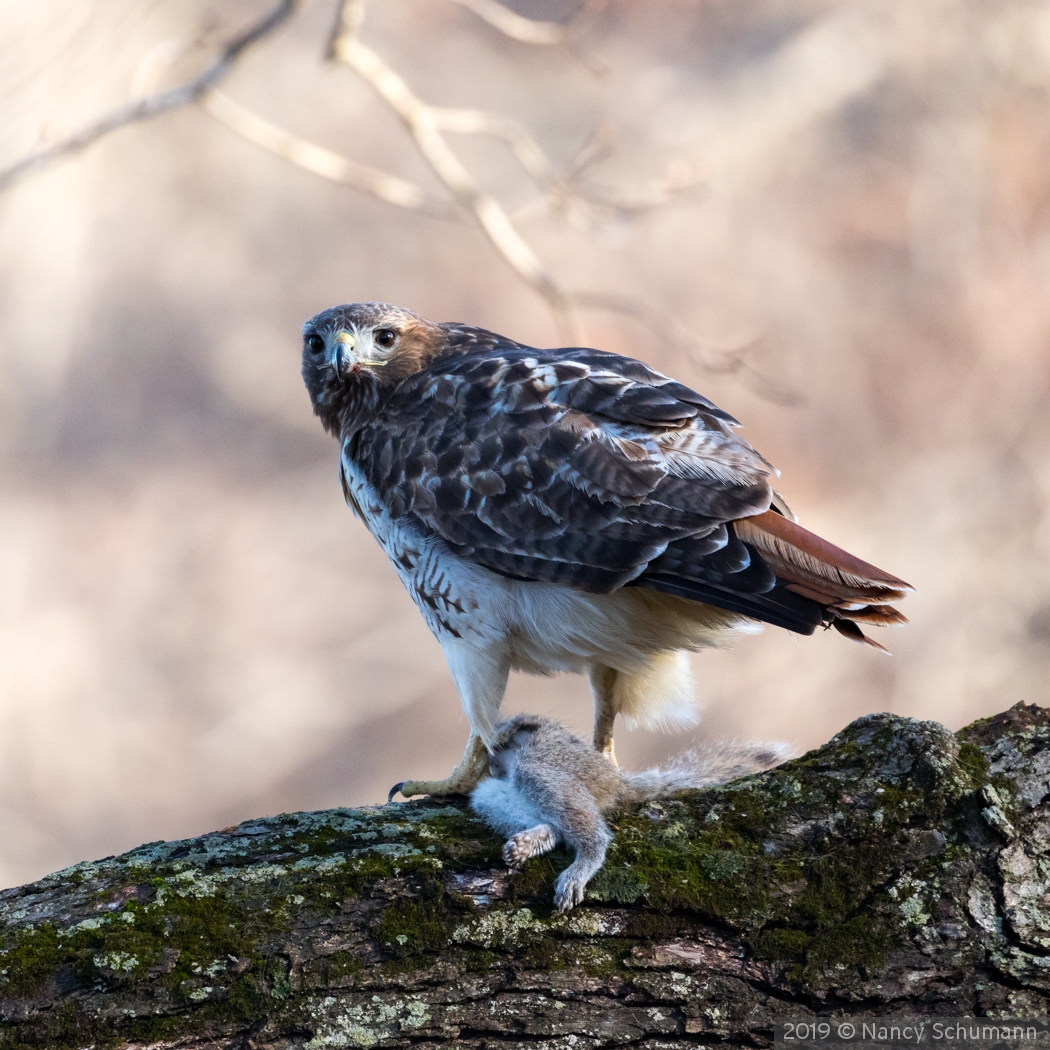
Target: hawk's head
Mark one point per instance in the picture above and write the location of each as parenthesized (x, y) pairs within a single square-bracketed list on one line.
[(352, 353)]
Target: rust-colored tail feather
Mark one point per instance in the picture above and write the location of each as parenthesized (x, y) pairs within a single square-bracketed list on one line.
[(851, 590), (850, 630)]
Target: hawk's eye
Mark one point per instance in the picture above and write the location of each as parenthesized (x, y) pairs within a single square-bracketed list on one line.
[(315, 343), (385, 337)]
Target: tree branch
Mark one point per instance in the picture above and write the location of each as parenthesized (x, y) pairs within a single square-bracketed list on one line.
[(321, 161), (514, 25), (419, 118), (669, 329), (525, 148), (900, 870), (156, 104)]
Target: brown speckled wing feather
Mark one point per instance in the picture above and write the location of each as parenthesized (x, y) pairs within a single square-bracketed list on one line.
[(584, 468), (571, 466)]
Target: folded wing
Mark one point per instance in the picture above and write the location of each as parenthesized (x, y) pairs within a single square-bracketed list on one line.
[(594, 471)]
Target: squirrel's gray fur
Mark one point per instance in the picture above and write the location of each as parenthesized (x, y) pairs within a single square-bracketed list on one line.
[(547, 786)]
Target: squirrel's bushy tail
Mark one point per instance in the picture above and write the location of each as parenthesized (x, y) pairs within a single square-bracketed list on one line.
[(701, 767)]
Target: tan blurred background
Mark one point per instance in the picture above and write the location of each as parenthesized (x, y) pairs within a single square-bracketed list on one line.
[(195, 630)]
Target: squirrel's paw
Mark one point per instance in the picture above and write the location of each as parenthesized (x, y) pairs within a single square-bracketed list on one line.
[(519, 848), (568, 891)]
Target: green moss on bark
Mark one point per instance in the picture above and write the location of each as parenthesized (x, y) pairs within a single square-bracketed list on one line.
[(801, 860), (820, 869), (196, 925)]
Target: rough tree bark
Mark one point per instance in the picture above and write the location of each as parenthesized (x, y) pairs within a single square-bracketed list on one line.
[(900, 869)]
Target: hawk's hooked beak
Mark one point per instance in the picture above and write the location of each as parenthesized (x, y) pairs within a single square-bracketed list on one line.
[(343, 358)]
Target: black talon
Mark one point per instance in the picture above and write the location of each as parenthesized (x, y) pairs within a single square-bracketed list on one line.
[(394, 790)]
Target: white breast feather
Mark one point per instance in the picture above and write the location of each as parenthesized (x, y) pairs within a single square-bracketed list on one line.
[(540, 627)]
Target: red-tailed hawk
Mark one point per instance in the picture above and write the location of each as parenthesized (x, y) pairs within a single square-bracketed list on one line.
[(566, 510)]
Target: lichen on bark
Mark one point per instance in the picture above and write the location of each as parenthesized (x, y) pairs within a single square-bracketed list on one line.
[(899, 868)]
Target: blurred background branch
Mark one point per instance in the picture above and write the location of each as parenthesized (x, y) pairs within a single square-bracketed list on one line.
[(714, 361), (153, 105), (321, 161), (527, 30), (425, 123)]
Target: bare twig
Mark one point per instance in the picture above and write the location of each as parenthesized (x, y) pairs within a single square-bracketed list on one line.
[(672, 331), (681, 178), (347, 24), (584, 203), (514, 25), (530, 31), (156, 104), (420, 120), (525, 148), (323, 162), (560, 192), (153, 64), (596, 148)]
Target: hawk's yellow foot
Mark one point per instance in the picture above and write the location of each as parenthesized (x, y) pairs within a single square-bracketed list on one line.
[(473, 767)]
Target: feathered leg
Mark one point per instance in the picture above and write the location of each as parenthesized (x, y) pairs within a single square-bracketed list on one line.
[(603, 689), (657, 696), (481, 676)]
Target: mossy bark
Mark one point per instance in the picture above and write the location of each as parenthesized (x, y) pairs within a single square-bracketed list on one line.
[(899, 869)]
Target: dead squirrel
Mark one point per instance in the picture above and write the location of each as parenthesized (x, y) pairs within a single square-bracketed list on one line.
[(548, 786)]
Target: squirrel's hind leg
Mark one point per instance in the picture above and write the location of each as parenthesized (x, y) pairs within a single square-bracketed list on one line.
[(571, 884), (586, 832)]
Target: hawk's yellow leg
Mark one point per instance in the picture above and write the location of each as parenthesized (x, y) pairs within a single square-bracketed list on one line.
[(602, 681), (473, 767)]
